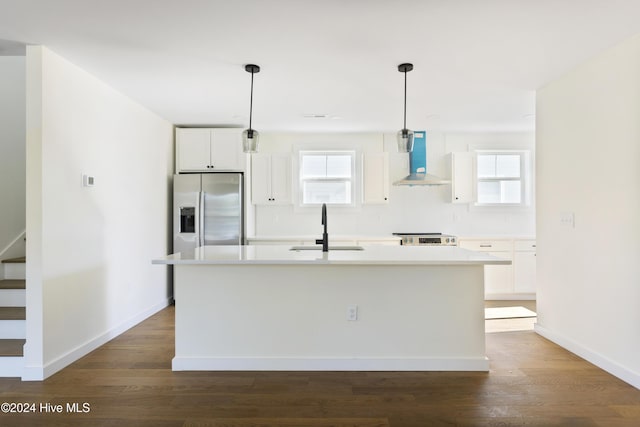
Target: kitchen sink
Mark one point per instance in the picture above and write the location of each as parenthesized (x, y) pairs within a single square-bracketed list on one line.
[(331, 248)]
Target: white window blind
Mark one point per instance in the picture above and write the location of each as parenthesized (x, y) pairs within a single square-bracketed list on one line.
[(327, 177), (500, 178)]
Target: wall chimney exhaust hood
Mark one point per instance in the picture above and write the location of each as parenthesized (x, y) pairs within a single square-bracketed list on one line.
[(418, 165)]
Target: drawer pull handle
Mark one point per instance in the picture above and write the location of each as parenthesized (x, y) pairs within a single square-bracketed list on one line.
[(485, 246)]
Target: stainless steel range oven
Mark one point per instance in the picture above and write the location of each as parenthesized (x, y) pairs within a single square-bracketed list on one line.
[(426, 239)]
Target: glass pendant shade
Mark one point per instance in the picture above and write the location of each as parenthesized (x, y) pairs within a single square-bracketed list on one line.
[(250, 139), (405, 141)]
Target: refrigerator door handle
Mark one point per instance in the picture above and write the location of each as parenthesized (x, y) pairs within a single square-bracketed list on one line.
[(201, 218)]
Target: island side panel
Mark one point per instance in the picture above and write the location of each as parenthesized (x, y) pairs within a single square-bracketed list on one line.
[(275, 317)]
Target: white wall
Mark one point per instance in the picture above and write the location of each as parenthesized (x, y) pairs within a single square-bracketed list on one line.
[(89, 273), (410, 209), (588, 151), (12, 153)]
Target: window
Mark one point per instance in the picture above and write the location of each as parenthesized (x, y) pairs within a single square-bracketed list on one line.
[(327, 177), (501, 178)]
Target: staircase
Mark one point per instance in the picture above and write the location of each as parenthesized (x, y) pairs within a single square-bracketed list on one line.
[(12, 317)]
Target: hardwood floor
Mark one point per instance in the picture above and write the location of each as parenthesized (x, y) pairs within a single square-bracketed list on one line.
[(11, 347), (12, 313), (129, 382)]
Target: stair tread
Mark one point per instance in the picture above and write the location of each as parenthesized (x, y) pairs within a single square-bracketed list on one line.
[(11, 347), (13, 284), (14, 260), (12, 313)]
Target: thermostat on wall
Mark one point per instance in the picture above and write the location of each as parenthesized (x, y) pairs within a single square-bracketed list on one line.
[(88, 180)]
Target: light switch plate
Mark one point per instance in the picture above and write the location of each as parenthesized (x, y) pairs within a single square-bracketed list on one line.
[(352, 312), (568, 219)]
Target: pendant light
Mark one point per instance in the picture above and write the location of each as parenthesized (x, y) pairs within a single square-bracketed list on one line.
[(250, 137), (405, 136)]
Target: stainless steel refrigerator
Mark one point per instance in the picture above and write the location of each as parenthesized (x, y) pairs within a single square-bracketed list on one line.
[(208, 209)]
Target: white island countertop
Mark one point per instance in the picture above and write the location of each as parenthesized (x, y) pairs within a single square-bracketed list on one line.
[(370, 255)]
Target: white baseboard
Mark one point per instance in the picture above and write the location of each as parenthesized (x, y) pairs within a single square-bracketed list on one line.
[(39, 373), (597, 359), (327, 364), (511, 297)]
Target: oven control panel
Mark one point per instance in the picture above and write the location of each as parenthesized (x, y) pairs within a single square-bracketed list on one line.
[(427, 239)]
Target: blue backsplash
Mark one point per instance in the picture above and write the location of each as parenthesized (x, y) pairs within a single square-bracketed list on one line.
[(418, 157)]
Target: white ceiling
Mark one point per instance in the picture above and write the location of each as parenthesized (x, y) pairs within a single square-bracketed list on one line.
[(477, 63)]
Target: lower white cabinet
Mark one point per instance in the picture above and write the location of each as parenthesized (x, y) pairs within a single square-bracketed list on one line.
[(524, 266), (517, 280), (338, 241), (498, 277)]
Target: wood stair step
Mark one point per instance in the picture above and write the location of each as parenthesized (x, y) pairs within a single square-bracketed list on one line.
[(11, 348), (13, 284), (14, 260), (12, 313)]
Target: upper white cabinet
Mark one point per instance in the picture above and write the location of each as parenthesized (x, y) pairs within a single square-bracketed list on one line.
[(271, 179), (208, 150), (462, 178), (375, 178)]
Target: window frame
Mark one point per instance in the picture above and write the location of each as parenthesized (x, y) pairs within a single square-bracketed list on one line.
[(352, 180)]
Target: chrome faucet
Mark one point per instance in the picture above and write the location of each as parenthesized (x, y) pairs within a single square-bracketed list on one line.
[(325, 236)]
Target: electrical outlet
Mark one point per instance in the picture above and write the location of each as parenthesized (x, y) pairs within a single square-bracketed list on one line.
[(88, 180), (352, 312)]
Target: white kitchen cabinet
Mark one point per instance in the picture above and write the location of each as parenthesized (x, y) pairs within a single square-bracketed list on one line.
[(498, 279), (462, 177), (380, 241), (524, 266), (515, 281), (274, 241), (271, 179), (208, 150), (375, 178), (335, 240)]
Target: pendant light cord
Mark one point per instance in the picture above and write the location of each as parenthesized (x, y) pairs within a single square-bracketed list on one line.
[(405, 101), (251, 101)]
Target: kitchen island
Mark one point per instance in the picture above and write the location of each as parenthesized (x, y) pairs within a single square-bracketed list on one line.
[(384, 308)]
